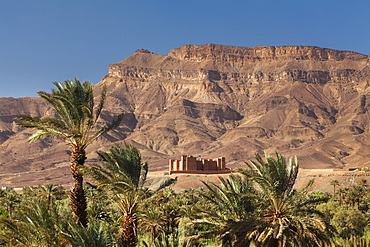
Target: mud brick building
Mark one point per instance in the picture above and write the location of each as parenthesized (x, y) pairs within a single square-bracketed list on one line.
[(190, 164)]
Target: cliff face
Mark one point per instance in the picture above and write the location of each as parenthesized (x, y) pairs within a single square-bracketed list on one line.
[(213, 100)]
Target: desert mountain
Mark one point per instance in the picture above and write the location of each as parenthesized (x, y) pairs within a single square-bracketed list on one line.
[(215, 100)]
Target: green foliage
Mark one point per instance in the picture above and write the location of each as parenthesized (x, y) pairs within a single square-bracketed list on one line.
[(10, 200), (254, 209), (335, 183), (123, 173), (170, 240), (285, 217), (365, 169), (100, 205), (233, 199), (39, 222), (348, 221), (273, 177), (168, 213), (3, 213), (97, 234), (226, 211), (74, 104), (152, 220), (77, 125), (353, 241), (356, 195), (122, 169), (319, 196), (36, 224), (344, 215)]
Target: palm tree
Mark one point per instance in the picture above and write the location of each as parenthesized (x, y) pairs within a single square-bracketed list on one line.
[(228, 210), (335, 183), (10, 200), (354, 241), (163, 212), (356, 194), (123, 172), (152, 220), (284, 219), (170, 240), (364, 183), (48, 190), (97, 234), (76, 124), (36, 225)]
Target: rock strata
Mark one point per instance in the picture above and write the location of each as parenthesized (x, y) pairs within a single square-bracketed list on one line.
[(215, 100)]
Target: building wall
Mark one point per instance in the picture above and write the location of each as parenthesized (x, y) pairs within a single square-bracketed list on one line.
[(190, 163), (210, 165)]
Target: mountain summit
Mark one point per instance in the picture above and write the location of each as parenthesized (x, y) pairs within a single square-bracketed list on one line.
[(215, 100)]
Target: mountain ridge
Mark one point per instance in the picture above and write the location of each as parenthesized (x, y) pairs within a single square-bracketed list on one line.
[(215, 100)]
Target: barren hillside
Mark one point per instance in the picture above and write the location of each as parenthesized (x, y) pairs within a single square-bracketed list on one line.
[(214, 100)]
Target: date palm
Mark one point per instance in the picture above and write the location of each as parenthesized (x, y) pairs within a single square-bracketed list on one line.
[(36, 225), (97, 234), (170, 240), (77, 125), (152, 220), (228, 210), (285, 219), (124, 173), (47, 190), (335, 183), (10, 201)]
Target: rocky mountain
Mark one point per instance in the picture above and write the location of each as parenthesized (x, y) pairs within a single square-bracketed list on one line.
[(215, 100)]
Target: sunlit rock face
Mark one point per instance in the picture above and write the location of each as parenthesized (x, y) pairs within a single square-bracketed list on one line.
[(215, 100)]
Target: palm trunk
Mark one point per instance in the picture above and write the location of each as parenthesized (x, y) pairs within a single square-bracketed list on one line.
[(78, 199), (129, 226), (10, 210), (334, 191), (153, 232)]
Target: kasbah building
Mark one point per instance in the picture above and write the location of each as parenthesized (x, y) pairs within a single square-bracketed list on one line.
[(190, 164)]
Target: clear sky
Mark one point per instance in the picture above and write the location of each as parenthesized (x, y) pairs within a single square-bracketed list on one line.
[(42, 41)]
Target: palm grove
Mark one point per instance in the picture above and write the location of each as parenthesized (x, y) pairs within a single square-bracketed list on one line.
[(258, 206)]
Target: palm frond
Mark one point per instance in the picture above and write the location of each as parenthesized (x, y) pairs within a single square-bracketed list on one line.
[(101, 103), (73, 102), (97, 234), (274, 176), (37, 225), (122, 169), (166, 183), (47, 127), (286, 219), (105, 128), (41, 134)]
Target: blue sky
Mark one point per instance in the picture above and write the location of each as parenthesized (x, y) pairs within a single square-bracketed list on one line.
[(53, 40)]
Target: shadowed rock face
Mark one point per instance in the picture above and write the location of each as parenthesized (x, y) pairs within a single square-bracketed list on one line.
[(214, 100)]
